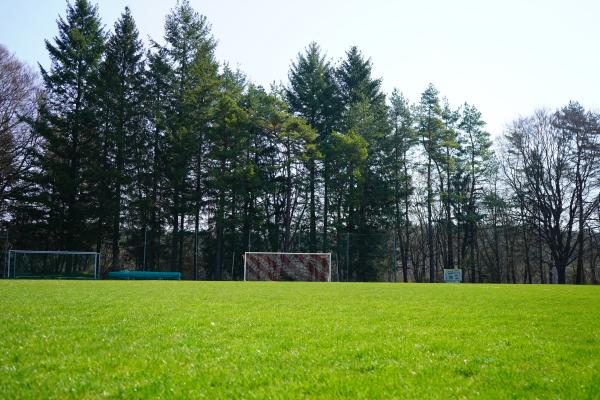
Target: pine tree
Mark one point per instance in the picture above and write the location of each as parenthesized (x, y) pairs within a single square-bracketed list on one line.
[(429, 128), (151, 155), (121, 118), (312, 94), (349, 153), (255, 157), (446, 162), (68, 126), (402, 140), (203, 98), (366, 113), (299, 152), (225, 138), (355, 81), (187, 37), (475, 146)]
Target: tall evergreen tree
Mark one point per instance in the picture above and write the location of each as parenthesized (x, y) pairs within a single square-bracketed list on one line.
[(150, 176), (204, 97), (446, 163), (187, 37), (225, 139), (476, 155), (68, 125), (121, 118), (402, 141), (355, 81), (430, 126), (312, 94), (366, 113)]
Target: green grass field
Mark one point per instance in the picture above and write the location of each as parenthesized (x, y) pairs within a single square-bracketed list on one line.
[(133, 339)]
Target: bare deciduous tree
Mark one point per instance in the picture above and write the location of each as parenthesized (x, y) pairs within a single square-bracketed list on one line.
[(19, 91), (549, 163)]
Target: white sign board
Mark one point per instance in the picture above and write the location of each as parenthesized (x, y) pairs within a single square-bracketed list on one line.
[(453, 275)]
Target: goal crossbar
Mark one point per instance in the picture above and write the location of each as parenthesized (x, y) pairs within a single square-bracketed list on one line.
[(283, 252)]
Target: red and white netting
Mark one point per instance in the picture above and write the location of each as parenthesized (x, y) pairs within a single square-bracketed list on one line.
[(312, 267)]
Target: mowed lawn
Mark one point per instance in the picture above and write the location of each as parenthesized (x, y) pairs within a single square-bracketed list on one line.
[(135, 339)]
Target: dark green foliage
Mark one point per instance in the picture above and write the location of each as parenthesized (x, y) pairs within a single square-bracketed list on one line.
[(312, 92), (313, 95), (122, 132), (68, 125), (473, 162), (355, 81), (400, 143), (430, 128)]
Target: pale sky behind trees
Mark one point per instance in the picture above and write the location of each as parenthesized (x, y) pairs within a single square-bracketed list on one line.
[(506, 57)]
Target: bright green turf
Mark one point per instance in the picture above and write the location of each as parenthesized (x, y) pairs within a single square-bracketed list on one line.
[(63, 339)]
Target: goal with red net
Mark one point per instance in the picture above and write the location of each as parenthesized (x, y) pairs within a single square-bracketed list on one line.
[(267, 266)]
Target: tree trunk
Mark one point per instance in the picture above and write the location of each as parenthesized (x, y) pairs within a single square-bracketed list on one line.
[(406, 240), (430, 223), (472, 253), (313, 209), (218, 268), (325, 245), (287, 215), (115, 243), (580, 275), (175, 232), (541, 259), (562, 275), (527, 277), (593, 257), (198, 199), (116, 222), (181, 239), (498, 268), (449, 228)]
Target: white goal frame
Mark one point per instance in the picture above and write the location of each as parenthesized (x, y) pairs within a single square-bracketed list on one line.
[(290, 253), (51, 252)]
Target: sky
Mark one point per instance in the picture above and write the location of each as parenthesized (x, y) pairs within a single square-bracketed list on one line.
[(506, 57)]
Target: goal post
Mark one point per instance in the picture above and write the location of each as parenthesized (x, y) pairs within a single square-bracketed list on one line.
[(282, 266), (42, 264)]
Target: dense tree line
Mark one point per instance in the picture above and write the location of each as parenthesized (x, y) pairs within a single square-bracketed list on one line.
[(162, 158)]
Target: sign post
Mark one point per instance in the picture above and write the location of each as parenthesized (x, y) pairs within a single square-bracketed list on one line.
[(453, 275)]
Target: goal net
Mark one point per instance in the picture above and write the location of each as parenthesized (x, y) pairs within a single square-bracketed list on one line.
[(33, 264), (264, 266)]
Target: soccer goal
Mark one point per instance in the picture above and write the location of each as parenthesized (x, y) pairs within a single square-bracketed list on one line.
[(266, 266), (35, 264)]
